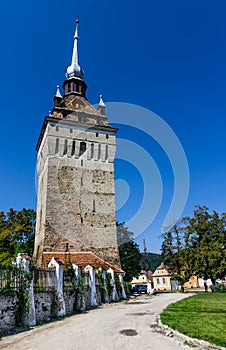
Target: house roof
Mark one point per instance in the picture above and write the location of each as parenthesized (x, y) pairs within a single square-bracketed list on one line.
[(164, 268), (80, 259)]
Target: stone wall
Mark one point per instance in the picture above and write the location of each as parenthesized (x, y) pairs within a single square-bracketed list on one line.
[(44, 306), (37, 302), (71, 304), (8, 307)]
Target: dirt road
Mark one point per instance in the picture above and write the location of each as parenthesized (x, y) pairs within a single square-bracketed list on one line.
[(126, 325)]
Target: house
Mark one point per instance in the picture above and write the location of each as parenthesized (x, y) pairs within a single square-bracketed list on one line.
[(144, 277), (192, 283), (162, 279)]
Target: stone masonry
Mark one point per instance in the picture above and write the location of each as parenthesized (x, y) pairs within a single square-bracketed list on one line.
[(76, 196)]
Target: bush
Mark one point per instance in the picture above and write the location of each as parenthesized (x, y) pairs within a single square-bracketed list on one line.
[(220, 288)]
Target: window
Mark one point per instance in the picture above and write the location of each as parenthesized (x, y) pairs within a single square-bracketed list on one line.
[(73, 148), (57, 146), (92, 151), (163, 280), (157, 281), (82, 148), (65, 147), (94, 205), (106, 152), (99, 151), (97, 134), (107, 136)]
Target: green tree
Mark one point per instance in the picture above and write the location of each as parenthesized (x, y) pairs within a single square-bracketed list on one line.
[(206, 240), (129, 252), (173, 252), (196, 245), (17, 230)]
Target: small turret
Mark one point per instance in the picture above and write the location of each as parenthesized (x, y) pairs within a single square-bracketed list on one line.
[(101, 106), (57, 98)]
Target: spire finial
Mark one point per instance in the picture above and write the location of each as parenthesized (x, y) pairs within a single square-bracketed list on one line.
[(76, 28), (74, 70)]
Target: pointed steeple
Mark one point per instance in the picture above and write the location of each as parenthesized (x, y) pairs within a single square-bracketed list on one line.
[(74, 70), (101, 106), (75, 84), (58, 94), (57, 98)]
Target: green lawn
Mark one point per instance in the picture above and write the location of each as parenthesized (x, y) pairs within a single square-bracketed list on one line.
[(201, 316)]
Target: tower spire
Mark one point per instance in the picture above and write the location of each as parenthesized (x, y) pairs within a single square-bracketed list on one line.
[(74, 70)]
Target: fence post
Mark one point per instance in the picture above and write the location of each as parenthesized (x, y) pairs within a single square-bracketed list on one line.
[(115, 296), (23, 261), (80, 302), (61, 309), (124, 296), (92, 284)]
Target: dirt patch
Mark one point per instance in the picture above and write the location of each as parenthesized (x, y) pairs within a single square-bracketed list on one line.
[(129, 332)]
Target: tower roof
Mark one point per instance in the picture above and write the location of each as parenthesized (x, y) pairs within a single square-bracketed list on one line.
[(74, 70)]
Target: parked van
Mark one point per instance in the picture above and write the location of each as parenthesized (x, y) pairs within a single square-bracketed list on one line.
[(140, 288)]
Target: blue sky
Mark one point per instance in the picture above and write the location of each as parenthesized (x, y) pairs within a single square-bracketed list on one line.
[(167, 56)]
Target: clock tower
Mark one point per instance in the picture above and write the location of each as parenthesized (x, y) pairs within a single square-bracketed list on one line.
[(75, 166)]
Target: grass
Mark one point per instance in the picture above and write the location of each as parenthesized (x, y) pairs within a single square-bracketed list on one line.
[(201, 316)]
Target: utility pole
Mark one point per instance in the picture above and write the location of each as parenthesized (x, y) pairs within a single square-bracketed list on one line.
[(146, 264)]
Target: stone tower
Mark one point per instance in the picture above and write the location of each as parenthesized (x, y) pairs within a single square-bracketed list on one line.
[(75, 166)]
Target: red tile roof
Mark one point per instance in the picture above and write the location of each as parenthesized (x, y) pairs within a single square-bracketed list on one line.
[(80, 259)]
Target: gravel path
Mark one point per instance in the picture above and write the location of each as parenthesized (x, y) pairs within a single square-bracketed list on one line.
[(125, 325)]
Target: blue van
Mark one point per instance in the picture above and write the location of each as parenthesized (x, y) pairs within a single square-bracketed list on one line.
[(140, 288)]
